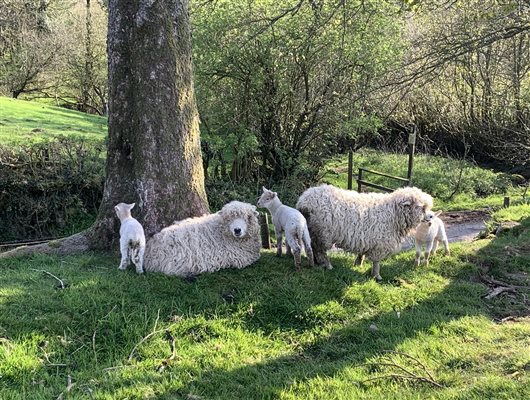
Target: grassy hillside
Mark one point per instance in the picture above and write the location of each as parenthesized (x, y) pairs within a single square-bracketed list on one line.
[(268, 332), (27, 121)]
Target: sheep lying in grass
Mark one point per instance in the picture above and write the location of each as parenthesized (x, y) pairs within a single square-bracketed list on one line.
[(371, 224), (228, 238), (132, 238), (429, 232), (292, 222)]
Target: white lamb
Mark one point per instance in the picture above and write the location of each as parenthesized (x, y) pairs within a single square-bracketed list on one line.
[(229, 238), (429, 232), (291, 222), (132, 238), (371, 224)]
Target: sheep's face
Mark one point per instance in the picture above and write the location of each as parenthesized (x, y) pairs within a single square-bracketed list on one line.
[(429, 217), (267, 198), (123, 210), (239, 220), (238, 227)]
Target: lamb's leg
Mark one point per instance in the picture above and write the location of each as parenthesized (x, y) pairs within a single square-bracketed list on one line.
[(375, 271), (359, 260), (295, 248), (418, 254), (124, 250), (288, 249), (138, 260), (446, 246), (428, 250), (434, 246), (279, 241), (306, 238)]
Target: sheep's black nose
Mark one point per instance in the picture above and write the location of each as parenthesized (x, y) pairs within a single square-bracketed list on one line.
[(237, 231)]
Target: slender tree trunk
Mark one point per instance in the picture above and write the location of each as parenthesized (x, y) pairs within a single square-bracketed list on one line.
[(154, 152)]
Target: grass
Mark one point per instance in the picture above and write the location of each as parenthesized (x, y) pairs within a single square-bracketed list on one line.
[(28, 121), (266, 332), (440, 176)]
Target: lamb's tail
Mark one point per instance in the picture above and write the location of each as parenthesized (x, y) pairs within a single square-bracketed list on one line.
[(306, 238)]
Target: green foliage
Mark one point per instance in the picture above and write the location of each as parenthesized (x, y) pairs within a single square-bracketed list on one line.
[(455, 184), (49, 188), (262, 332)]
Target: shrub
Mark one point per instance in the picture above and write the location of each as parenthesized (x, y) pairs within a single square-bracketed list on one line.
[(49, 188)]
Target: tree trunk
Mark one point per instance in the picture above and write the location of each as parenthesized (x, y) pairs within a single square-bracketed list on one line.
[(154, 152)]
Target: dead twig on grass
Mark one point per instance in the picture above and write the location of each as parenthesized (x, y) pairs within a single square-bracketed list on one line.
[(168, 360), (69, 387), (61, 283), (154, 332), (408, 373)]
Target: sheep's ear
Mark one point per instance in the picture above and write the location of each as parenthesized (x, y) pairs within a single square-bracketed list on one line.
[(406, 202), (437, 213)]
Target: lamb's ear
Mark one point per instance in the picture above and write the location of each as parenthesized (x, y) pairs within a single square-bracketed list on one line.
[(264, 189), (437, 213), (274, 194), (116, 208), (131, 206), (256, 213)]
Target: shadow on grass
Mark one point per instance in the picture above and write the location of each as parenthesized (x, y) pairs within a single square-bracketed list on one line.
[(103, 313)]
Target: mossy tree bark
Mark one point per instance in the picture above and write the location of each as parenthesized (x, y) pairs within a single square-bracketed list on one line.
[(154, 153)]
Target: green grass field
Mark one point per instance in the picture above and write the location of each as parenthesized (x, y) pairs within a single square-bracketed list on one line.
[(28, 121), (268, 332), (454, 184)]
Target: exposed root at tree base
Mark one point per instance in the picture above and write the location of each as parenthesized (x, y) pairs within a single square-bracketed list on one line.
[(77, 243)]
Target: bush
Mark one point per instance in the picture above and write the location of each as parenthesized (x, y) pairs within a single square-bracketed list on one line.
[(49, 188)]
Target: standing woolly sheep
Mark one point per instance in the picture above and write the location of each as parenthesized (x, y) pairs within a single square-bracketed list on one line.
[(371, 224), (291, 222), (229, 238), (429, 232)]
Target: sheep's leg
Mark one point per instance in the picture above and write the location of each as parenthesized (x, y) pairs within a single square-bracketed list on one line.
[(288, 249), (296, 248), (138, 260), (418, 254), (428, 250), (306, 238), (124, 250), (320, 251), (359, 260), (375, 271), (279, 241)]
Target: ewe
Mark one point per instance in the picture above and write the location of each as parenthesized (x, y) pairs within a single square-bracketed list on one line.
[(228, 238), (132, 238), (292, 222), (429, 232), (371, 224)]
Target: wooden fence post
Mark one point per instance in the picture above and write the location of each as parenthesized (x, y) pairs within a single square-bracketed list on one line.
[(350, 169), (506, 202), (264, 228)]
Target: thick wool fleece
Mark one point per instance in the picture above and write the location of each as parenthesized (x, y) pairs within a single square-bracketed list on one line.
[(371, 224), (207, 243)]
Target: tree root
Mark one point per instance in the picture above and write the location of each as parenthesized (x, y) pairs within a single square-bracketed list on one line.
[(77, 243)]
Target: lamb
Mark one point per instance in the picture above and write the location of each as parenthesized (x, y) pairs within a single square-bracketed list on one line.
[(228, 238), (291, 222), (368, 224), (132, 238), (429, 232)]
